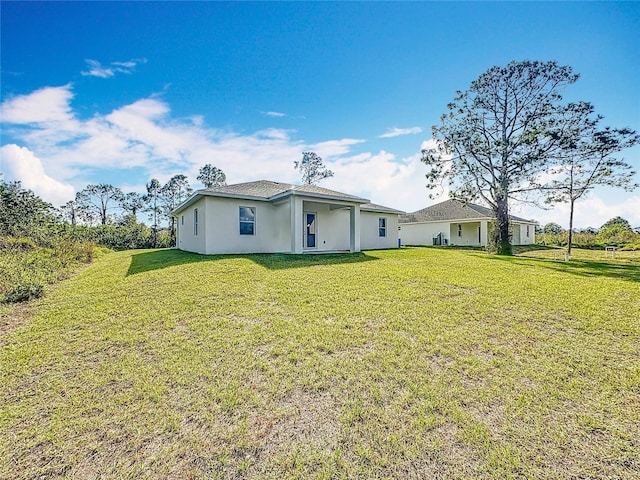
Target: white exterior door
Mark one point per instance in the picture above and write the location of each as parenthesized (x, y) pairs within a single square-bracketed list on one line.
[(310, 230)]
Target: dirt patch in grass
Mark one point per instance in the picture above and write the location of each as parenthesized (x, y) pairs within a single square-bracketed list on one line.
[(12, 317)]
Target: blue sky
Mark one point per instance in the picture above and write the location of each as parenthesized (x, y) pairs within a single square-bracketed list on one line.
[(122, 92)]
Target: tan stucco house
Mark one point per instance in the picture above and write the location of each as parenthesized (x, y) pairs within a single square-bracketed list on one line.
[(456, 223), (274, 217)]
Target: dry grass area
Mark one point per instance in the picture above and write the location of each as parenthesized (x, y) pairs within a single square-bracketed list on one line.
[(415, 363)]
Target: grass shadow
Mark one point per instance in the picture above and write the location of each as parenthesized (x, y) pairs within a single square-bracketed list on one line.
[(279, 261), (148, 260), (159, 259), (583, 268)]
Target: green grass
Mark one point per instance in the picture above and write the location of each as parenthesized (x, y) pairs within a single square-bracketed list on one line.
[(412, 363)]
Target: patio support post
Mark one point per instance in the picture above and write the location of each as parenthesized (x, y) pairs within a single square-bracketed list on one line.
[(296, 224), (354, 228), (483, 233)]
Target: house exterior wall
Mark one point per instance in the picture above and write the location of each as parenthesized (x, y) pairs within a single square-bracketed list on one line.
[(523, 238), (370, 238), (332, 230), (514, 230), (465, 234), (271, 227), (186, 238), (219, 227), (423, 233), (280, 228)]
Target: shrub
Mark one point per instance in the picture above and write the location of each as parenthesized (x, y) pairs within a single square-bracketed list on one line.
[(617, 234), (164, 239), (23, 292), (22, 244), (69, 250), (632, 246), (27, 267)]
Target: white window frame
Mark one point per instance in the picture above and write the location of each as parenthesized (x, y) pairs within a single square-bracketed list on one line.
[(195, 222), (382, 230), (459, 229), (252, 222)]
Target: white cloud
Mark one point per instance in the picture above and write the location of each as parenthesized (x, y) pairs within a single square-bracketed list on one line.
[(274, 114), (334, 148), (383, 179), (125, 65), (396, 132), (19, 163), (96, 69), (46, 105)]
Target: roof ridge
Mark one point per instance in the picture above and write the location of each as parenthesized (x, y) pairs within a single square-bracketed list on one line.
[(454, 209)]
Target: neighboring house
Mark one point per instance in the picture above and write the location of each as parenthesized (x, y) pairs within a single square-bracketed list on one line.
[(455, 223), (272, 217)]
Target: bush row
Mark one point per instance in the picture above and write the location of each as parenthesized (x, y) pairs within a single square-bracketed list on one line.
[(126, 236), (28, 267), (51, 252), (589, 241)]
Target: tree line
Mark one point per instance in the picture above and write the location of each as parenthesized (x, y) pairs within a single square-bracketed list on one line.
[(101, 213), (95, 204), (614, 232)]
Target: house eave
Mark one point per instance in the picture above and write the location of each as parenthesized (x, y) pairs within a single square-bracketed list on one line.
[(205, 193), (350, 201), (467, 220), (389, 211)]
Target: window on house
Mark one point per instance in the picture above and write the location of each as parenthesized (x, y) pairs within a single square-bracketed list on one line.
[(247, 220), (382, 227), (528, 226), (459, 230), (181, 219), (195, 222)]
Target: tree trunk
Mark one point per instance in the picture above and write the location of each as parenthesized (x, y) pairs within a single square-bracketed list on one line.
[(570, 238), (503, 242)]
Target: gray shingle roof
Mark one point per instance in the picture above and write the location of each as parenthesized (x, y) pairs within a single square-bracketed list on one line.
[(373, 207), (451, 210), (261, 189), (267, 190), (270, 191)]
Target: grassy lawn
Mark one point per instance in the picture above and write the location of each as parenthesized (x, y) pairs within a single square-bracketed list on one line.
[(417, 363)]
